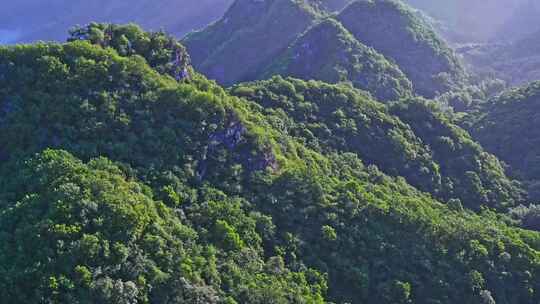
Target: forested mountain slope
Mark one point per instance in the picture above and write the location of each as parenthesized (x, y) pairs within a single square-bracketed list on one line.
[(205, 200), (254, 35), (409, 139), (508, 127), (394, 30), (515, 61), (328, 52), (248, 37)]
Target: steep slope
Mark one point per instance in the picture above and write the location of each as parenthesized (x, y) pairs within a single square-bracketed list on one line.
[(330, 53), (34, 20), (409, 139), (262, 217), (247, 38), (467, 170), (508, 127), (87, 234), (394, 30), (93, 103)]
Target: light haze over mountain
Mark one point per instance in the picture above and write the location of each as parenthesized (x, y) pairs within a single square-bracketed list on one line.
[(460, 20), (31, 20)]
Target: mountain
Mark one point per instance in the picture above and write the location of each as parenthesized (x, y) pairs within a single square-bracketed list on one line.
[(409, 139), (120, 184), (257, 39), (248, 37), (507, 126), (394, 30), (496, 38), (328, 52), (32, 20), (460, 21)]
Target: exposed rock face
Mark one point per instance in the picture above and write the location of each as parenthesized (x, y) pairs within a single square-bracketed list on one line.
[(231, 139)]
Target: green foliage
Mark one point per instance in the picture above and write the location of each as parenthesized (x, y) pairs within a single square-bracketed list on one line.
[(410, 139), (328, 52), (82, 233), (210, 198), (250, 35), (162, 52), (527, 217), (329, 233), (389, 237), (469, 173), (506, 126), (394, 30), (92, 102), (377, 46), (72, 232)]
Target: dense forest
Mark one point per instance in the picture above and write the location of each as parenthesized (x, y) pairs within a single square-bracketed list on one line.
[(506, 126), (253, 34), (291, 152)]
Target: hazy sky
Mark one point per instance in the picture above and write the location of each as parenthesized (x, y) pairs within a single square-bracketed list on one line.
[(51, 19), (29, 20), (475, 19)]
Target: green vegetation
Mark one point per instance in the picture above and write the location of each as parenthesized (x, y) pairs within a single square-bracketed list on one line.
[(92, 102), (517, 62), (120, 184), (328, 52), (162, 52), (410, 138), (506, 126), (82, 233), (395, 31), (376, 46), (249, 37)]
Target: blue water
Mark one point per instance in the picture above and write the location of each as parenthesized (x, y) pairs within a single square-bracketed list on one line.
[(8, 36)]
